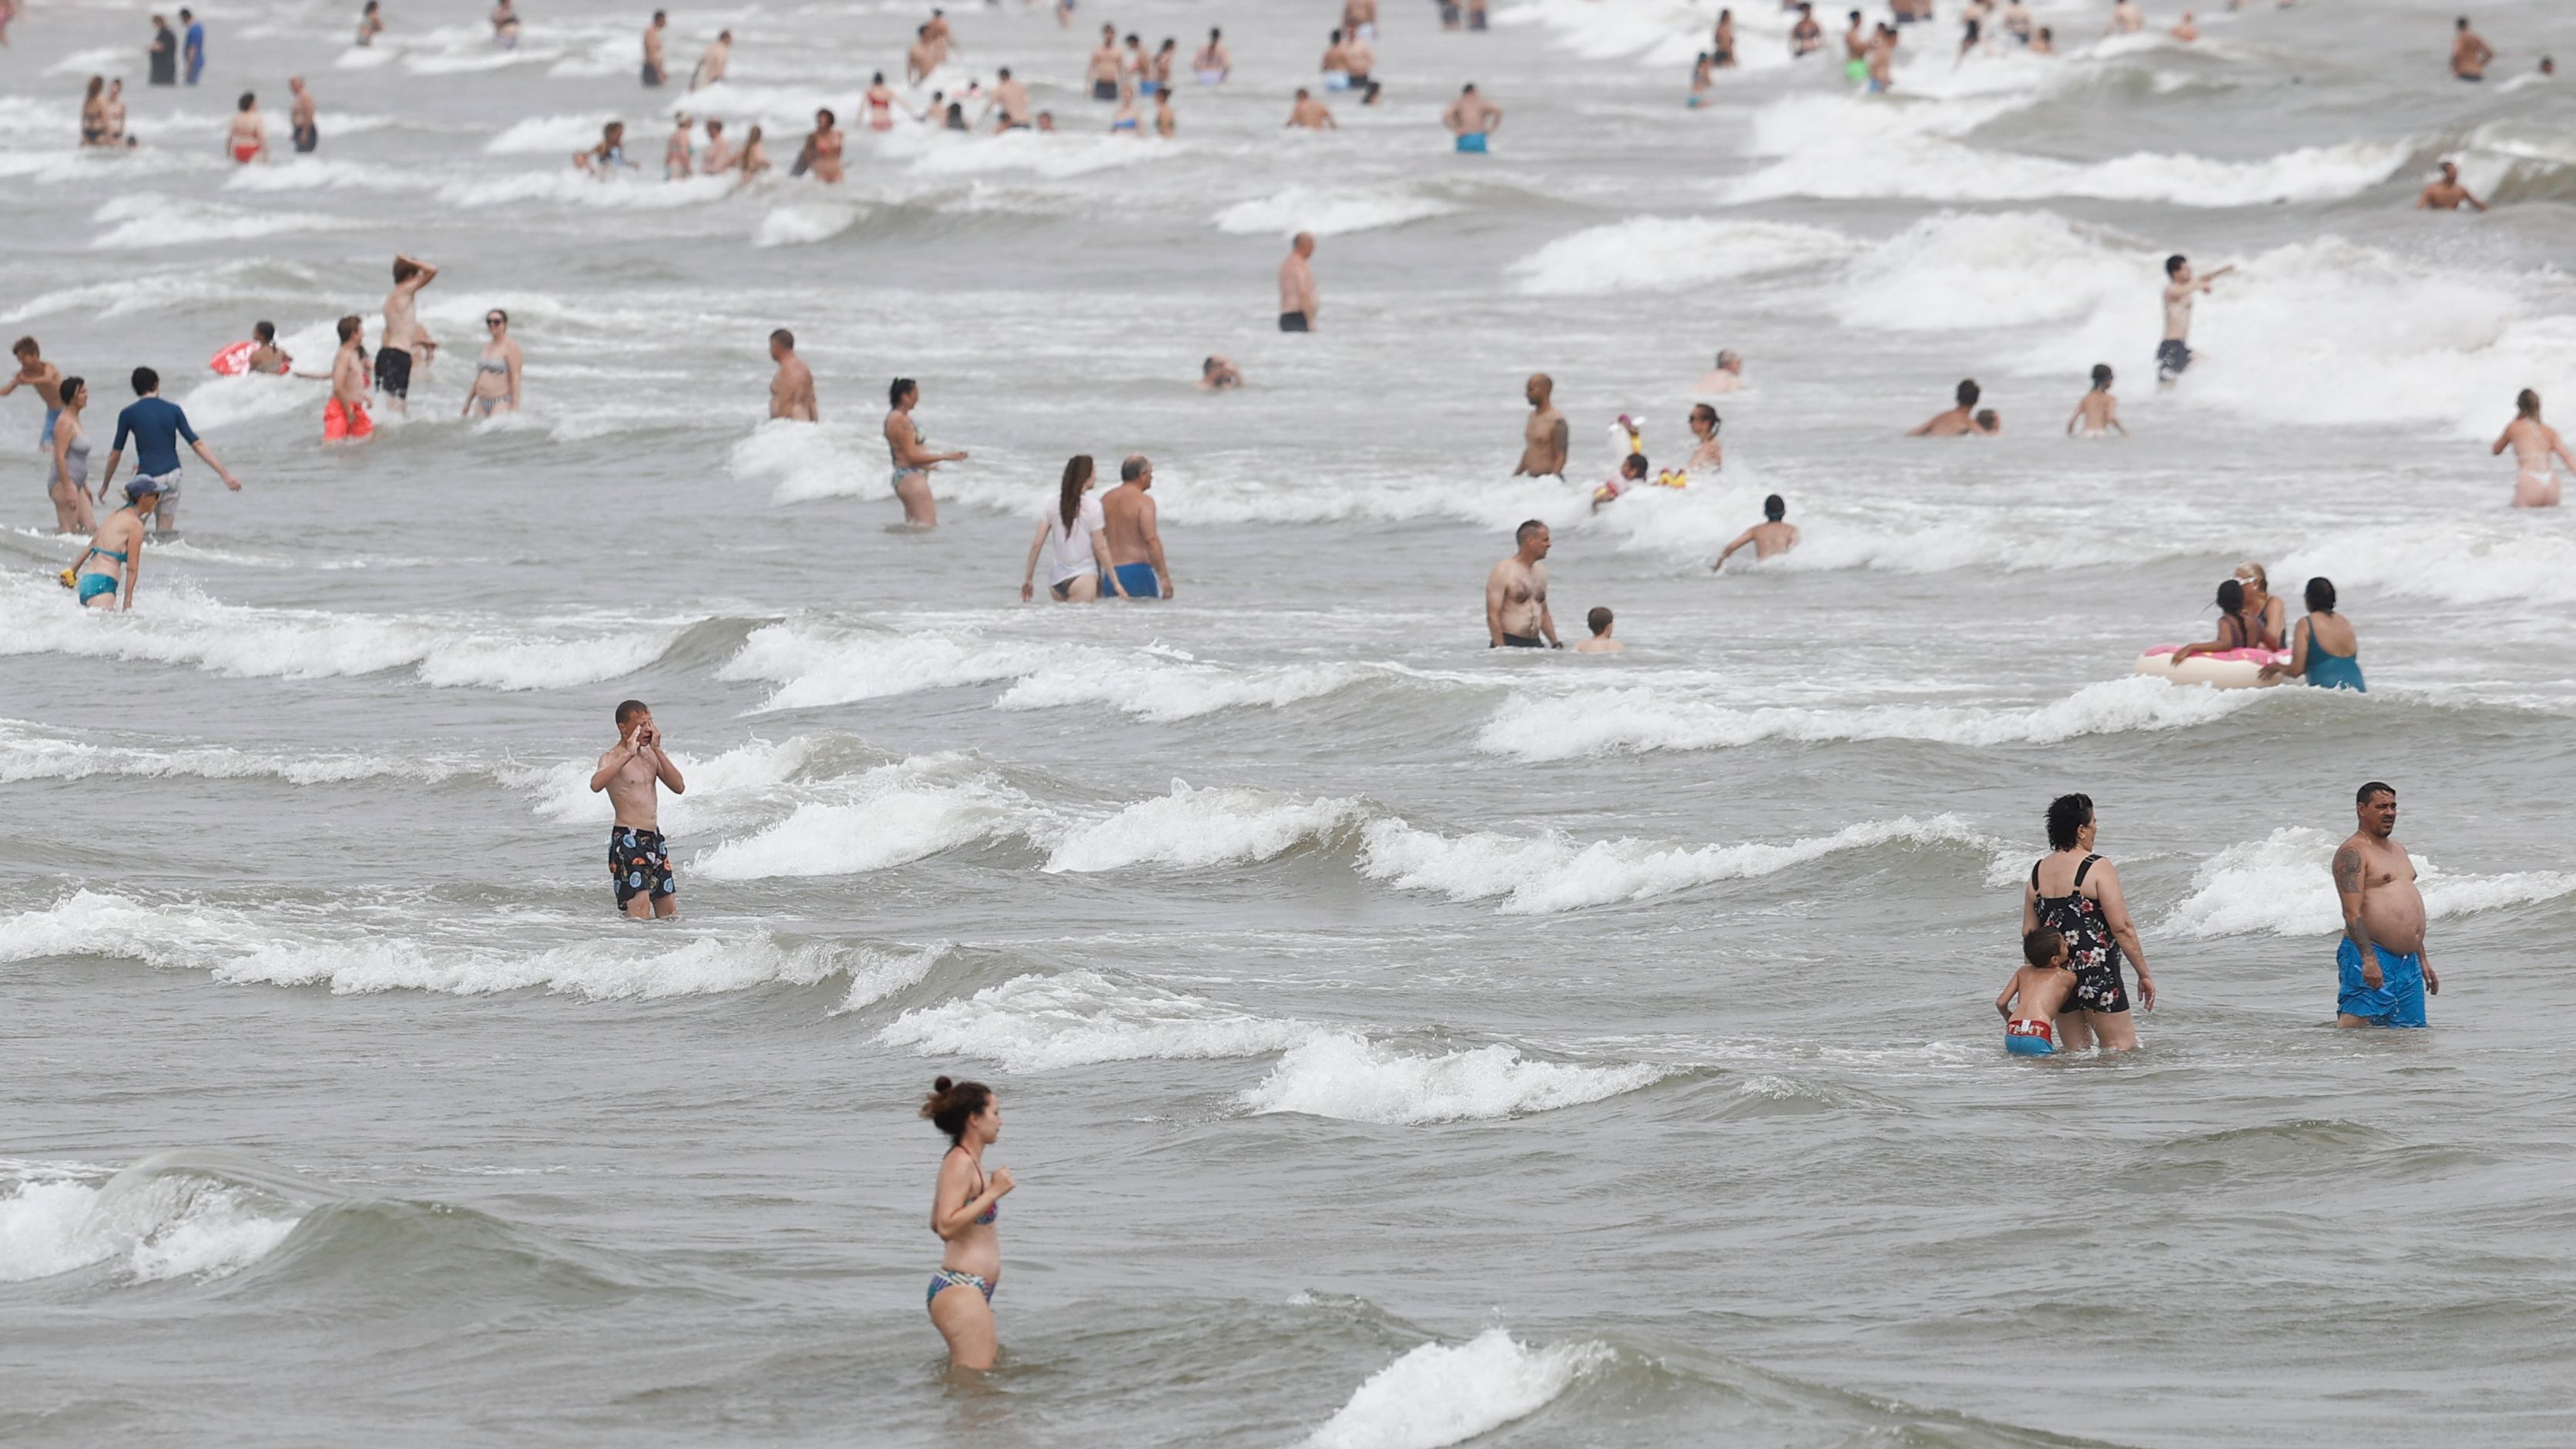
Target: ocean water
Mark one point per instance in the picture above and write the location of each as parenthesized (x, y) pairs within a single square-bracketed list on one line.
[(1400, 1044)]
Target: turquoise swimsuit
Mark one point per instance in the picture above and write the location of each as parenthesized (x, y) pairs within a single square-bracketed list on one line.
[(2333, 671), (93, 585)]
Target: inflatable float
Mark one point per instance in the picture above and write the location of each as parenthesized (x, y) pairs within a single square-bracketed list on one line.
[(2227, 669), (233, 361)]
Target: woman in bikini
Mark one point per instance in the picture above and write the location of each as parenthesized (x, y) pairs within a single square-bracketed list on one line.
[(912, 460), (2534, 444), (823, 149), (70, 485), (247, 137), (962, 1210), (880, 104), (94, 113), (496, 376), (117, 548), (2077, 894)]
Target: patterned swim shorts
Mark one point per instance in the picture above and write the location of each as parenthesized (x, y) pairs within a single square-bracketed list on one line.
[(639, 864)]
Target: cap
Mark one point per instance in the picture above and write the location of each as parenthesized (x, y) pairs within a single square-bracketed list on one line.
[(141, 488)]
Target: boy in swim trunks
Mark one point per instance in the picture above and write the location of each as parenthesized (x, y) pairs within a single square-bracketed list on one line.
[(639, 861), (2041, 984), (344, 417), (34, 371)]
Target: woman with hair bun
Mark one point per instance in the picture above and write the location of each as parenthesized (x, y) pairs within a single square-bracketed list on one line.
[(961, 1212)]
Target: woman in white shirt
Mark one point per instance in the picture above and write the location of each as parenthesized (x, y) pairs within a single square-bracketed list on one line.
[(1071, 538)]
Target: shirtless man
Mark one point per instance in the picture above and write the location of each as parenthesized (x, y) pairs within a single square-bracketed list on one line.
[(1516, 613), (1011, 100), (2535, 444), (1806, 37), (653, 72), (1299, 303), (921, 59), (1310, 114), (2447, 194), (1726, 378), (2125, 19), (1770, 538), (299, 118), (1359, 58), (402, 329), (1955, 422), (2469, 52), (1546, 438), (1103, 70), (639, 861), (942, 39), (1471, 118), (711, 66), (1135, 544), (1599, 622), (344, 417), (2380, 965), (1219, 374), (791, 392), (1359, 18), (719, 157), (1856, 41), (34, 371), (913, 459), (2173, 355), (2187, 29)]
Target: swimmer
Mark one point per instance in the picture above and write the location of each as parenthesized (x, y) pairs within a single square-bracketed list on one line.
[(344, 414), (1882, 61), (1300, 305), (880, 102), (1599, 622), (2187, 29), (93, 116), (1545, 438), (1218, 374), (1213, 63), (791, 388), (2016, 21), (1010, 103), (2039, 988), (119, 540), (2235, 630), (1708, 457), (1471, 119), (711, 65), (2266, 611), (299, 119), (1359, 58), (1135, 543), (47, 380), (505, 25), (719, 156), (68, 488), (1725, 378), (1072, 540), (2535, 444), (639, 860), (1124, 120), (962, 1210), (246, 137), (1806, 37), (1956, 422), (2125, 19), (1989, 423), (1516, 614), (605, 158), (496, 375), (2182, 287), (371, 23), (1721, 48), (1046, 123), (921, 59), (1632, 474), (2314, 647), (912, 459), (2097, 412), (1166, 125), (156, 428), (1856, 41), (678, 156), (1102, 72), (821, 155), (2044, 43), (755, 156), (1310, 114), (1770, 538), (653, 71), (2380, 964), (2470, 54), (2447, 194), (402, 331)]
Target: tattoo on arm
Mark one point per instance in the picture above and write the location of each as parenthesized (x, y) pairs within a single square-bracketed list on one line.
[(2347, 871)]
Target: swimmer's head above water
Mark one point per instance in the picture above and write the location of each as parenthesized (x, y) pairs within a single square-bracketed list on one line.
[(1598, 621), (1774, 509), (2101, 377)]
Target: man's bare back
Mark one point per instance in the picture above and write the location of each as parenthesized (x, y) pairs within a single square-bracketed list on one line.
[(791, 392)]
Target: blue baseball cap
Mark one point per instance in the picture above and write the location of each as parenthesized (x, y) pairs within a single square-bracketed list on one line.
[(141, 488)]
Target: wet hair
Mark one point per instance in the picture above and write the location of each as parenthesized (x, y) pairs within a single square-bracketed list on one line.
[(2262, 580), (1699, 410), (2527, 403), (2174, 263), (895, 392), (1133, 468), (70, 387), (2101, 377), (2231, 599), (1006, 72), (263, 331), (1968, 392), (2043, 946), (826, 117), (503, 312), (1727, 355), (1635, 466), (1301, 93), (628, 709), (349, 326), (248, 100), (784, 338), (146, 381), (1077, 472), (2067, 817), (1528, 528), (2375, 787), (715, 126), (1598, 621), (1987, 420), (1468, 89), (612, 130), (23, 347), (405, 270), (951, 1105), (2321, 595), (97, 83), (1774, 508), (1337, 37), (661, 15), (878, 79)]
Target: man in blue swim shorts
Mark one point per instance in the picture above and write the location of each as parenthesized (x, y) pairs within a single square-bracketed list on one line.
[(1135, 543), (1471, 118), (2380, 965)]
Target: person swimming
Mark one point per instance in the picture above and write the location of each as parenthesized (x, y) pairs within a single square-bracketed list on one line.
[(2037, 992), (2235, 631), (2314, 643)]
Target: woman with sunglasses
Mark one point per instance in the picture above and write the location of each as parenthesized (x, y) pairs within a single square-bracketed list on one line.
[(496, 377)]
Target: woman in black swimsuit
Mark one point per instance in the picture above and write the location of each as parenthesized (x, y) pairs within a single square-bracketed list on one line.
[(2077, 893)]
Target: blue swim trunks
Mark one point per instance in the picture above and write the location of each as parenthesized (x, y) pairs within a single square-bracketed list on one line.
[(1472, 143), (2030, 1038), (2399, 1001), (1139, 579)]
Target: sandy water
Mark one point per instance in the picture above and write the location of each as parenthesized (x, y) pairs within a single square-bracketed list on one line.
[(1399, 1043)]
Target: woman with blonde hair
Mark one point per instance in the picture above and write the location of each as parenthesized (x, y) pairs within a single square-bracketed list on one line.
[(2534, 444)]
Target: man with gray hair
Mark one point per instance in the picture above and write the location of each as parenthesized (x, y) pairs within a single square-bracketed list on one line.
[(1135, 544)]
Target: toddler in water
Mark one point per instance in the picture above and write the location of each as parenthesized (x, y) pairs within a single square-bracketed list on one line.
[(1632, 474), (2099, 412), (2042, 984)]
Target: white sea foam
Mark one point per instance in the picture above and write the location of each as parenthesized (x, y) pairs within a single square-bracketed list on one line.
[(1959, 271), (815, 663), (2280, 885), (223, 401), (555, 136), (571, 187), (1347, 1076), (27, 753), (1328, 212), (889, 816), (2504, 558), (1440, 1394), (1164, 691), (1190, 829), (1661, 254), (1078, 1018), (801, 462), (1606, 721), (1927, 167), (1055, 157), (1539, 875), (57, 1219), (802, 223), (747, 779), (149, 220), (318, 173)]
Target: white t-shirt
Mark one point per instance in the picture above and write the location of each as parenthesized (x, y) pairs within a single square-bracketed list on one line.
[(1069, 550)]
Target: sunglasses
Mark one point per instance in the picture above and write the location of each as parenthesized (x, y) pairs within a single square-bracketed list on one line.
[(494, 321)]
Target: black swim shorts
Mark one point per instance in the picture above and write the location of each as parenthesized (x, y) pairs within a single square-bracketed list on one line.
[(1292, 322), (393, 371), (639, 864), (2173, 357)]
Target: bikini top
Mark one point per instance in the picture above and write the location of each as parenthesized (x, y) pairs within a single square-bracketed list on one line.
[(491, 365), (992, 1209), (102, 553)]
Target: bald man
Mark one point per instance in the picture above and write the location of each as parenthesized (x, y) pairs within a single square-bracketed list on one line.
[(1298, 302), (1544, 441)]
